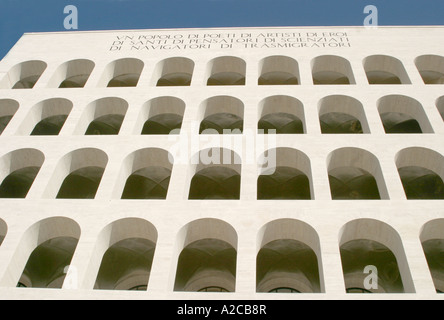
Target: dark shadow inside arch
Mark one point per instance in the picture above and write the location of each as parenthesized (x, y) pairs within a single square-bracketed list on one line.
[(26, 83), (205, 255), (18, 183), (382, 77), (46, 265), (175, 79), (350, 183), (218, 183), (147, 183), (124, 80), (105, 125), (4, 121), (128, 258), (340, 123), (434, 252), (281, 123), (278, 78), (50, 126), (357, 254), (329, 78), (421, 183), (81, 184), (291, 258), (221, 122), (162, 124), (77, 81), (395, 122), (285, 183), (226, 79)]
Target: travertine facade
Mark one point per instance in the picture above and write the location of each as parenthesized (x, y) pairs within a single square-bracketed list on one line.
[(347, 197)]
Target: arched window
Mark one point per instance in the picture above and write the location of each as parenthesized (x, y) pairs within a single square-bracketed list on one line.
[(206, 263), (147, 173), (289, 258), (222, 115), (122, 73), (431, 68), (342, 115), (286, 177), (278, 70), (54, 241), (332, 70), (46, 118), (162, 115), (370, 248), (401, 114), (355, 174), (77, 175), (72, 74), (226, 71), (382, 69), (127, 255), (432, 240), (103, 117), (24, 75), (216, 176), (281, 115), (19, 169), (176, 71), (8, 108), (422, 172)]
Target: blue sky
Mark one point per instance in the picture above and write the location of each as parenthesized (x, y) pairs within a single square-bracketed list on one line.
[(20, 16)]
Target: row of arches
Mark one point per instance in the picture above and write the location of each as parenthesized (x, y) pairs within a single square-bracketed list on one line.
[(288, 256), (226, 70), (283, 174), (281, 114)]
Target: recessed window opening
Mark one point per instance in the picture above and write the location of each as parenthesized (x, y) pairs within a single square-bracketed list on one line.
[(401, 114), (207, 260), (332, 70), (367, 243), (289, 179), (20, 168), (227, 71), (288, 260), (162, 116), (24, 75), (218, 179), (421, 171), (342, 115), (72, 74), (55, 242), (222, 115), (387, 70), (123, 73), (149, 173), (3, 231), (123, 256), (440, 106), (177, 71), (278, 70), (355, 174), (78, 175), (431, 68), (281, 115), (103, 117)]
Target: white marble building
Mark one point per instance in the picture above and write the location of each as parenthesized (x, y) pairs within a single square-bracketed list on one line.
[(326, 183)]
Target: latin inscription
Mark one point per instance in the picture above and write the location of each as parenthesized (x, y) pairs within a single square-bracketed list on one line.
[(227, 40)]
